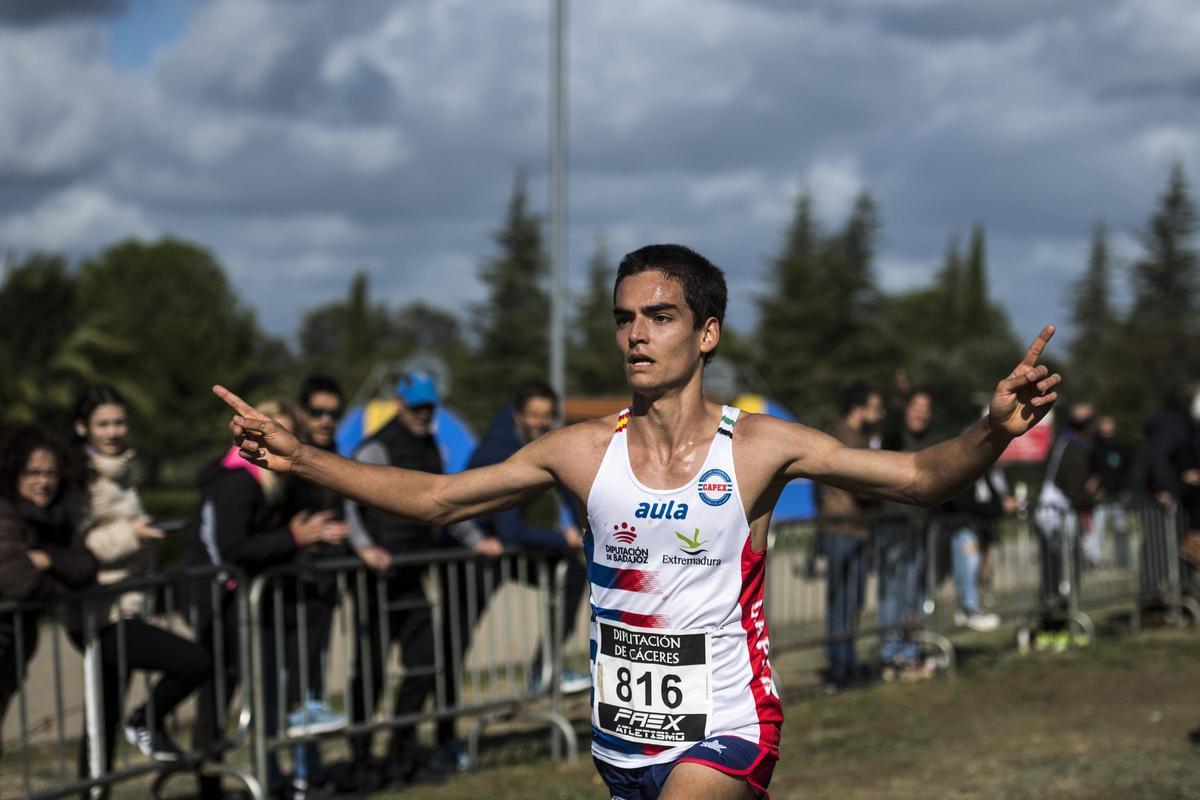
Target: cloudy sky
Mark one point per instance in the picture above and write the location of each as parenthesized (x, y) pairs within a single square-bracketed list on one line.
[(303, 139)]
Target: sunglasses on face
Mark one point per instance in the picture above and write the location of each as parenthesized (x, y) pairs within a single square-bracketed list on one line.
[(333, 413)]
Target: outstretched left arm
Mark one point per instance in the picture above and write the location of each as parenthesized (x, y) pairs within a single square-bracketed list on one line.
[(936, 473)]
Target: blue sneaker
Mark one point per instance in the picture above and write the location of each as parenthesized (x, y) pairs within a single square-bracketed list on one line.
[(312, 718)]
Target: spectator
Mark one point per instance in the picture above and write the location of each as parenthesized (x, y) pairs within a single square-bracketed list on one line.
[(972, 517), (405, 441), (900, 549), (118, 533), (1109, 465), (321, 405), (843, 541), (531, 415), (242, 523), (1064, 508), (42, 555), (1168, 466)]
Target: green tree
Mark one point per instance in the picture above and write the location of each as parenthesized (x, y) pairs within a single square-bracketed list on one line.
[(511, 325), (593, 366), (949, 280), (820, 318), (47, 356), (786, 332), (346, 338), (187, 329), (975, 283), (954, 340), (1092, 318), (1167, 279), (1157, 348)]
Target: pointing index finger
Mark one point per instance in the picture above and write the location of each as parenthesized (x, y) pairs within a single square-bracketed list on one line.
[(1039, 344), (236, 403)]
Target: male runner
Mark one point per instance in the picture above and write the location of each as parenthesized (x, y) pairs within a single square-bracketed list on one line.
[(679, 493)]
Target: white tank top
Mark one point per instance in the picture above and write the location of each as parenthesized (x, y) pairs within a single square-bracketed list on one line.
[(678, 635)]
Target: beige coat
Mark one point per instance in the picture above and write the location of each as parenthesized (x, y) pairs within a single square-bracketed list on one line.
[(114, 505)]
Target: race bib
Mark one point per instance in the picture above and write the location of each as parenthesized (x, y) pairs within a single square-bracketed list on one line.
[(653, 686)]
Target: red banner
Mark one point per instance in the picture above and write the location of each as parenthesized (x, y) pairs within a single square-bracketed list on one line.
[(1034, 445)]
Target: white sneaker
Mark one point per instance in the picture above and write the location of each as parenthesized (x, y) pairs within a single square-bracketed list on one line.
[(977, 620), (573, 682)]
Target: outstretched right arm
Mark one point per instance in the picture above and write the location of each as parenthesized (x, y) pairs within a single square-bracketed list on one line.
[(430, 498)]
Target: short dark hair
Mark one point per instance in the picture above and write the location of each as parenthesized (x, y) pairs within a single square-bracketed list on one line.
[(703, 283), (20, 443), (856, 395), (95, 396), (533, 389), (315, 384)]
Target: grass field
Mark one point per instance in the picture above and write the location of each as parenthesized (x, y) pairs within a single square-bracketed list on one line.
[(1109, 723)]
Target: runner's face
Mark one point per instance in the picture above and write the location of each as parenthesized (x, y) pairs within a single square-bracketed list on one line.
[(659, 344)]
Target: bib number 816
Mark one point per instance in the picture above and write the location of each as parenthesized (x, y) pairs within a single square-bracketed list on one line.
[(671, 694)]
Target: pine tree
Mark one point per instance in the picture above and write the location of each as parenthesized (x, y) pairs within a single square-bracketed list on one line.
[(820, 323), (1092, 318), (950, 282), (593, 366), (346, 337), (954, 339), (512, 324), (789, 309), (974, 301), (1159, 345)]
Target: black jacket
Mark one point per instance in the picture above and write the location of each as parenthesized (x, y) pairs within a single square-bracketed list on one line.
[(236, 524), (408, 451), (1110, 462), (56, 531)]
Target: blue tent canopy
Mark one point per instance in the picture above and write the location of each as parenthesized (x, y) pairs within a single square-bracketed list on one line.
[(453, 435)]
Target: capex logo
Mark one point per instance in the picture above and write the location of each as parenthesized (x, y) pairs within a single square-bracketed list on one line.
[(715, 487), (625, 552)]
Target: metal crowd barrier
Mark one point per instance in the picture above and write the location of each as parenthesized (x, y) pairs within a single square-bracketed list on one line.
[(473, 654), (886, 559), (479, 640), (1164, 579), (1139, 566), (46, 696)]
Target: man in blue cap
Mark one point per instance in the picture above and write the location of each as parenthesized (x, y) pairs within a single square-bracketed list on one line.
[(405, 441)]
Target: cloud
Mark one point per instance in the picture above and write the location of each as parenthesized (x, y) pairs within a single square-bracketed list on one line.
[(23, 13), (76, 220), (301, 142)]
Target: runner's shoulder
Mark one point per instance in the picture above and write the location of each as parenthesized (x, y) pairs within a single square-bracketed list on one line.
[(765, 433), (762, 428)]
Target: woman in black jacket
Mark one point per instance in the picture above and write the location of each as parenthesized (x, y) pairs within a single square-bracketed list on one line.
[(42, 555), (242, 523)]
